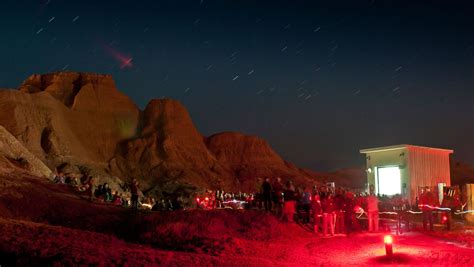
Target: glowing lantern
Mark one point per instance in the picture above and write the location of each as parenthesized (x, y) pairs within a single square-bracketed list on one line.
[(445, 218), (388, 245), (207, 199), (197, 199)]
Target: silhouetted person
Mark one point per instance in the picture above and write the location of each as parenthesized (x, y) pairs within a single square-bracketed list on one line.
[(91, 187), (134, 191), (267, 194), (427, 204), (278, 195), (349, 213), (306, 203), (107, 192), (339, 205), (98, 191)]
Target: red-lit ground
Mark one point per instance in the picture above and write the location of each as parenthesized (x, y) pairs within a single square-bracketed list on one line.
[(44, 223)]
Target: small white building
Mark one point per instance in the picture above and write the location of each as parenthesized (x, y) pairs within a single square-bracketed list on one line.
[(403, 169)]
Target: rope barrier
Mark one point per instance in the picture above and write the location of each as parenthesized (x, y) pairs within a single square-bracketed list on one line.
[(388, 212), (415, 212), (463, 212), (434, 209)]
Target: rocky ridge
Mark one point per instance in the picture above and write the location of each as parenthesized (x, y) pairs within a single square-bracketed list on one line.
[(82, 120)]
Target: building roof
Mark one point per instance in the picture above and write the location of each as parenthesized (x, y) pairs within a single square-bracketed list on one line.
[(400, 147)]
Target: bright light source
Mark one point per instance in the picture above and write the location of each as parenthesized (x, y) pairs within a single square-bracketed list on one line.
[(207, 199), (389, 181), (445, 218), (388, 245), (197, 199)]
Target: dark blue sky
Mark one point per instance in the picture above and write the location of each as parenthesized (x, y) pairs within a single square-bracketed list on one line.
[(319, 81)]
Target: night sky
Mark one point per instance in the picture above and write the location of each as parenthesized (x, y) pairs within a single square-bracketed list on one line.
[(318, 81)]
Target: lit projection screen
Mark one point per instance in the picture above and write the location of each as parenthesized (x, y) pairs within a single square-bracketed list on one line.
[(389, 181)]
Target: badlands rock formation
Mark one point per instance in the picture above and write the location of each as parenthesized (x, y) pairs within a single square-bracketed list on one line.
[(250, 156), (169, 148), (15, 157), (80, 122)]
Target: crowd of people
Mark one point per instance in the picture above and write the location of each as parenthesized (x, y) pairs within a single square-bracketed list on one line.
[(328, 209), (428, 203), (331, 210), (103, 193)]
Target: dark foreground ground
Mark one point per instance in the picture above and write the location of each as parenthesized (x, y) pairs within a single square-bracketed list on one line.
[(43, 223)]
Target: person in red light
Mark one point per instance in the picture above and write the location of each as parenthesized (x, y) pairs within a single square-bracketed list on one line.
[(450, 200), (317, 211), (278, 195), (305, 200), (373, 210), (289, 206), (327, 205), (427, 202)]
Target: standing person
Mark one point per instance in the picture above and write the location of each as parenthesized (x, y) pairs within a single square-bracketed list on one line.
[(317, 211), (373, 210), (267, 194), (278, 195), (327, 205), (349, 205), (315, 190), (452, 201), (290, 202), (91, 187), (134, 191), (108, 193), (339, 205), (427, 204), (306, 203)]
